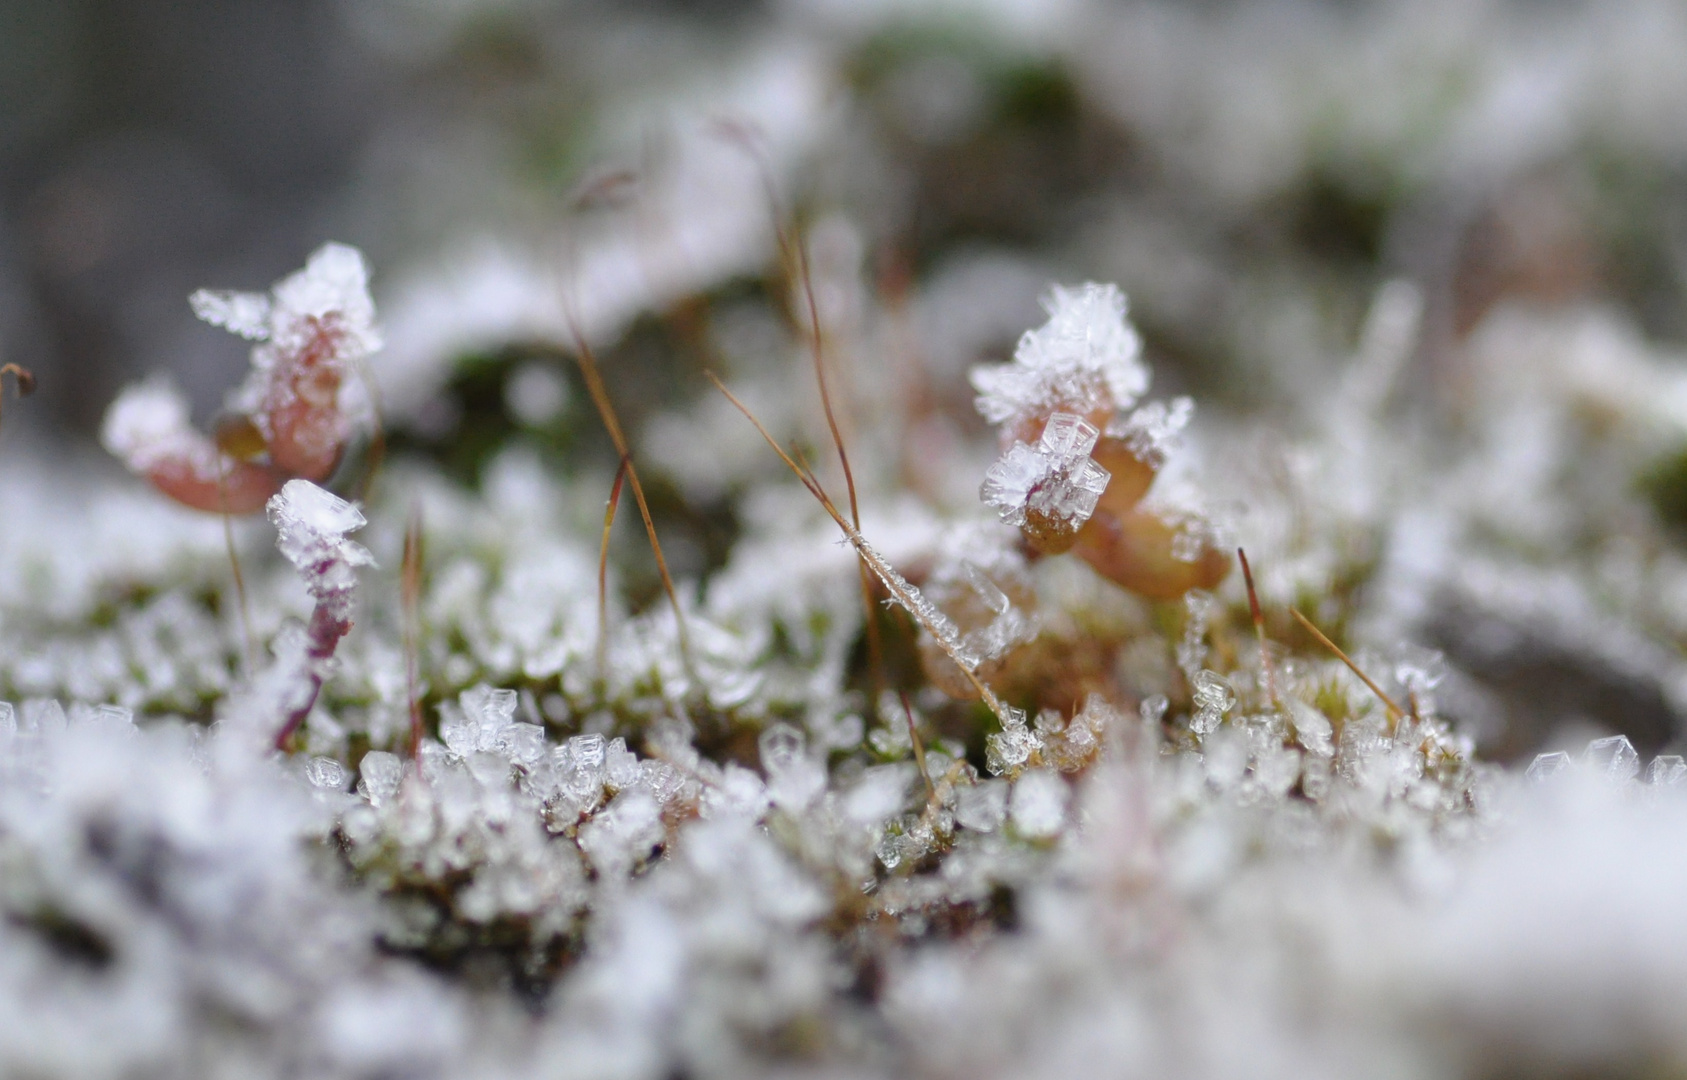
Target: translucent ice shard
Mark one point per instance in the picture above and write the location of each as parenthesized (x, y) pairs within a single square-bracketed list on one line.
[(1213, 698), (794, 778), (491, 711), (1547, 766), (1009, 749), (1614, 758), (325, 773), (311, 526), (1667, 770)]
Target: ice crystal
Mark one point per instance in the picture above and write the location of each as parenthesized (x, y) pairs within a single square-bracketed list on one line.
[(1152, 431), (1213, 698), (1667, 770), (1053, 486), (1613, 758), (1084, 360), (1546, 766)]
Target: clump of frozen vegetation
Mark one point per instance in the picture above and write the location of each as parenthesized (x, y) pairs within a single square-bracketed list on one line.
[(1055, 799)]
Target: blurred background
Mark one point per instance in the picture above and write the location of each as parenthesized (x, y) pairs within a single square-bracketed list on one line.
[(1251, 174), (1247, 171)]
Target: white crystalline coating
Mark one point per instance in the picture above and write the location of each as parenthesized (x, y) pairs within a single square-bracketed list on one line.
[(148, 422), (335, 280), (1614, 758), (311, 526), (243, 313), (1152, 431), (1056, 479), (1547, 766), (331, 291), (624, 832), (1038, 804), (1085, 359)]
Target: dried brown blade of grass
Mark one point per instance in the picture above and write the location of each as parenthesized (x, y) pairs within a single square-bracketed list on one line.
[(586, 360), (603, 570), (919, 747), (1265, 666)]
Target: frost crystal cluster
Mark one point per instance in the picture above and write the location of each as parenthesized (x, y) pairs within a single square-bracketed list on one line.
[(1086, 359), (1052, 486)]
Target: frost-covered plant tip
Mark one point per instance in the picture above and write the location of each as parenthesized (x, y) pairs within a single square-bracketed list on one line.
[(291, 417), (728, 838)]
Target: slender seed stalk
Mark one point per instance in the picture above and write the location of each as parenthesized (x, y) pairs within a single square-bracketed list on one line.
[(1259, 630), (586, 359), (603, 570), (793, 255), (410, 597), (902, 592), (1394, 711)]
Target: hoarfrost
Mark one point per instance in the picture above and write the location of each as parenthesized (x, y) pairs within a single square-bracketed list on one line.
[(1084, 360), (1153, 430)]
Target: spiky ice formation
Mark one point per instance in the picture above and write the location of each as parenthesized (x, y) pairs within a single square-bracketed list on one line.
[(1050, 489), (1086, 359)]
